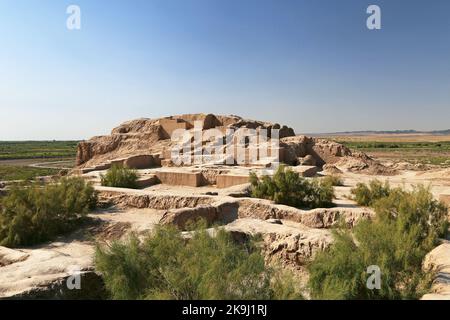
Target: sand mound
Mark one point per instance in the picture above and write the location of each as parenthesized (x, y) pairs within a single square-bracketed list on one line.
[(360, 162)]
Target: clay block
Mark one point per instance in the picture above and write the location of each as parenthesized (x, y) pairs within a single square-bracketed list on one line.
[(229, 180), (147, 181), (170, 125), (306, 171), (140, 162), (178, 178)]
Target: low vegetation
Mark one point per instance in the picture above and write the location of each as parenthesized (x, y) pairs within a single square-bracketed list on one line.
[(406, 227), (419, 149), (10, 173), (334, 180), (367, 195), (289, 188), (37, 149), (399, 145), (166, 266), (33, 214), (120, 177)]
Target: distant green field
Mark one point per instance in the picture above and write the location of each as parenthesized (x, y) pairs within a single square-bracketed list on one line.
[(10, 173), (37, 149), (374, 145), (14, 154), (425, 152)]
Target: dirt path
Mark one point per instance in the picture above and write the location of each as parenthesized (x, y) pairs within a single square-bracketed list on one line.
[(50, 163), (66, 164)]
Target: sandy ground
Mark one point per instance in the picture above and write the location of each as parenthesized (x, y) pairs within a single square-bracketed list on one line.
[(438, 180), (138, 220), (36, 267)]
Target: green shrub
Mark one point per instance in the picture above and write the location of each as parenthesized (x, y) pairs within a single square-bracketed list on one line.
[(367, 195), (120, 177), (333, 180), (289, 188), (34, 213), (166, 266), (405, 229)]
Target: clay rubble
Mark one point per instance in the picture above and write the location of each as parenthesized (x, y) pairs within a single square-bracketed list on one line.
[(217, 192), (42, 272)]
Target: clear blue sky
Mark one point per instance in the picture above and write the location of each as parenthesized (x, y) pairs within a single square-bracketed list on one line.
[(311, 64)]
